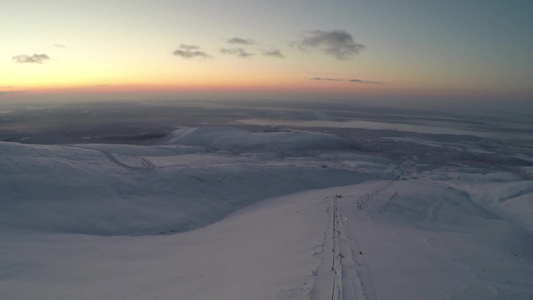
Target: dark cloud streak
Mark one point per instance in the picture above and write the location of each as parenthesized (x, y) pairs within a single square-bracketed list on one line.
[(349, 80), (240, 52), (241, 41), (34, 59), (189, 47), (273, 53), (337, 43), (325, 79), (364, 81), (190, 52)]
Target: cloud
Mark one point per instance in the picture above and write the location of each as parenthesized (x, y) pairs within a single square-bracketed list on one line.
[(273, 53), (60, 46), (325, 79), (337, 43), (240, 52), (188, 54), (349, 80), (191, 51), (34, 59), (241, 41), (364, 81), (189, 47)]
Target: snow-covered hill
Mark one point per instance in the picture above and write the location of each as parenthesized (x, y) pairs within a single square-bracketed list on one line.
[(223, 213), (128, 189)]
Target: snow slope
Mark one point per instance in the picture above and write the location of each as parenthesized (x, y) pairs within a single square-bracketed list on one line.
[(419, 239), (267, 251), (128, 189), (290, 248), (213, 214)]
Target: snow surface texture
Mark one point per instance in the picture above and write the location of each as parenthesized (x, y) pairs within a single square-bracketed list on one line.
[(223, 213)]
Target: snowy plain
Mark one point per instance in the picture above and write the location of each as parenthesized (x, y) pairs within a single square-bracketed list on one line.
[(227, 207)]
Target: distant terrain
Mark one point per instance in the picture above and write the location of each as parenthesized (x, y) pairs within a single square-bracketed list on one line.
[(264, 200)]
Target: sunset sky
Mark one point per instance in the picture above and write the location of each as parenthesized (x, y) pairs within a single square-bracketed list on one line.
[(140, 48)]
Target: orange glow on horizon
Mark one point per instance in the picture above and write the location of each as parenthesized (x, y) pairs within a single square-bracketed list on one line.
[(295, 88), (302, 86)]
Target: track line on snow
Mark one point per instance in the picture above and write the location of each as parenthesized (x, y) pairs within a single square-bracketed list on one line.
[(147, 164), (327, 285), (114, 160), (354, 272), (335, 248), (362, 200), (347, 275), (357, 281)]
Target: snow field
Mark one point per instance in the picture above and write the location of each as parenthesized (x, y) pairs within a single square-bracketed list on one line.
[(267, 251), (419, 239), (220, 213), (132, 190)]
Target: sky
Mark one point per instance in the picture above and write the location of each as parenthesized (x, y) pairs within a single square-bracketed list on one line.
[(114, 49)]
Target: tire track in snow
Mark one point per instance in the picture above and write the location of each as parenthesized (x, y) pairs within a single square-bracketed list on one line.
[(327, 285), (344, 274), (362, 201), (347, 282), (114, 160), (335, 235), (356, 278), (147, 164)]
